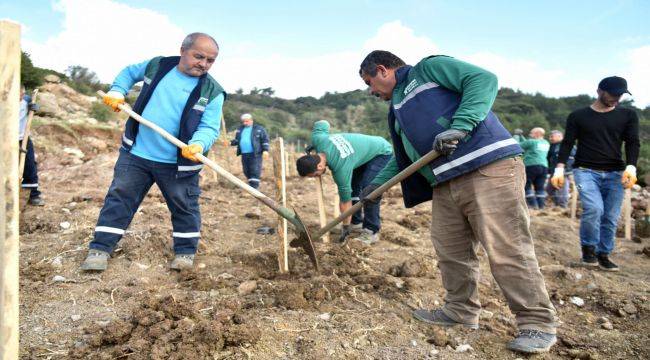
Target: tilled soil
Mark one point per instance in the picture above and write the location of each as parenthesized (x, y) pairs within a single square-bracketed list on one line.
[(236, 304)]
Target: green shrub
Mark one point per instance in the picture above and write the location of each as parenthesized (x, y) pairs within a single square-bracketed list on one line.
[(101, 112)]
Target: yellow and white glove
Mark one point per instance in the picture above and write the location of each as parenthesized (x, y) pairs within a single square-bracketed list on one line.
[(113, 99), (558, 178), (191, 150), (629, 177)]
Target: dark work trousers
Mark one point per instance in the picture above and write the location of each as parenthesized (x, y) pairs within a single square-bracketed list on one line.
[(361, 177), (252, 165), (535, 179), (30, 174), (133, 177)]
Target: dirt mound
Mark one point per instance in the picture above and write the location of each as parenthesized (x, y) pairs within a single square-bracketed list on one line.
[(163, 328)]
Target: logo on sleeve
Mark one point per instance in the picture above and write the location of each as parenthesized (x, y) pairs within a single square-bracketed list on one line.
[(412, 85), (344, 147)]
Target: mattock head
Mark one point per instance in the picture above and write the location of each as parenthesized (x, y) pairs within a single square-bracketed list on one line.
[(304, 241)]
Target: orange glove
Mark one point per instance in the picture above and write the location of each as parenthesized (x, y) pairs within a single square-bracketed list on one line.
[(113, 99), (629, 177), (190, 150), (558, 178)]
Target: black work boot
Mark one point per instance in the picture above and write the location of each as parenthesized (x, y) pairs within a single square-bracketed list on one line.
[(605, 263), (589, 256)]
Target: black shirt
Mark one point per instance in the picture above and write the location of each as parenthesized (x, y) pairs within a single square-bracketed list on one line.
[(600, 136)]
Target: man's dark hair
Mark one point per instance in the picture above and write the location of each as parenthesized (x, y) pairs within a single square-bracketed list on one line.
[(379, 57), (307, 164)]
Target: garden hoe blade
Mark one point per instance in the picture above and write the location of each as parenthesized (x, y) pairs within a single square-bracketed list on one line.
[(304, 240)]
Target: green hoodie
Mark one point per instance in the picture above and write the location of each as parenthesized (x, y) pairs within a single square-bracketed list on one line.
[(535, 151), (346, 152)]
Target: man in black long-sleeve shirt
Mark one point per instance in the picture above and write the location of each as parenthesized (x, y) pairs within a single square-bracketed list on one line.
[(599, 170)]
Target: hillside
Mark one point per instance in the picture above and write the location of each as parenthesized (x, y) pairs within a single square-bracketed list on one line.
[(357, 111), (236, 305), (353, 111)]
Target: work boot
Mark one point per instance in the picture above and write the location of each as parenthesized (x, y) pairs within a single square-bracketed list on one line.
[(182, 261), (368, 237), (606, 264), (356, 227), (97, 260), (589, 256), (438, 317), (532, 342), (36, 201)]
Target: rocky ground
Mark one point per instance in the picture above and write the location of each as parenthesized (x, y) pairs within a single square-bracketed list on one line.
[(236, 305)]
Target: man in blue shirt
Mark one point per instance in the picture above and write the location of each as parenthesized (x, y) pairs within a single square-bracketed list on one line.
[(30, 172), (180, 97), (251, 141)]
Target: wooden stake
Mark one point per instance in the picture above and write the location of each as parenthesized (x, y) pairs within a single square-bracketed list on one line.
[(279, 167), (287, 162), (337, 203), (627, 213), (9, 112), (224, 132), (574, 197), (321, 208)]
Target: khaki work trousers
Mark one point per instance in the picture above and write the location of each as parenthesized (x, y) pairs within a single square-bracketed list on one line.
[(488, 206)]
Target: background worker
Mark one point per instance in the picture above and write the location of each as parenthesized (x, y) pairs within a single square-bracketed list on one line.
[(354, 159), (536, 162), (599, 170), (560, 197), (182, 98), (252, 141), (30, 173)]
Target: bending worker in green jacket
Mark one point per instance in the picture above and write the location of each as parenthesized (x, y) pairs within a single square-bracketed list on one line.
[(476, 188), (355, 159), (536, 162)]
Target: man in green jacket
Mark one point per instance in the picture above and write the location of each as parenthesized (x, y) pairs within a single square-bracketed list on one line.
[(354, 159), (475, 185), (536, 162)]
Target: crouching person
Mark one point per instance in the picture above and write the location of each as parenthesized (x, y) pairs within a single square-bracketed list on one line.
[(354, 159), (180, 97)]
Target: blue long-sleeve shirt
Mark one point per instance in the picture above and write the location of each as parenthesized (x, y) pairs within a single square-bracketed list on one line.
[(165, 109), (246, 143)]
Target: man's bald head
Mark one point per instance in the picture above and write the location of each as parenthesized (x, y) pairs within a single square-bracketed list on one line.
[(198, 53), (537, 133)]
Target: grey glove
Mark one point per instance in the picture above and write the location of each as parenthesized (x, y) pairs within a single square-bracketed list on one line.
[(366, 191), (518, 132), (345, 231), (447, 141)]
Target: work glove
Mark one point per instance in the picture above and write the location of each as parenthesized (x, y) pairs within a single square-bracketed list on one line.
[(190, 150), (367, 191), (558, 178), (33, 107), (265, 154), (345, 232), (629, 177), (447, 141), (518, 132), (113, 99)]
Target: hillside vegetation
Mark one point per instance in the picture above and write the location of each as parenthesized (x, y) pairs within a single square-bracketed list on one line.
[(357, 111)]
